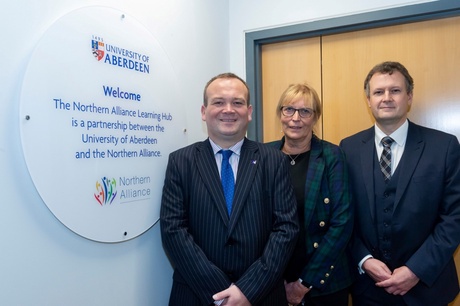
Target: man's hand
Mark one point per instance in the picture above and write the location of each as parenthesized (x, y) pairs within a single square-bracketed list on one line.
[(232, 296), (376, 269), (400, 282), (295, 292)]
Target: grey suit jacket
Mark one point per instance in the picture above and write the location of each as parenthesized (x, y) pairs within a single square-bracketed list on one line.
[(426, 212), (210, 250)]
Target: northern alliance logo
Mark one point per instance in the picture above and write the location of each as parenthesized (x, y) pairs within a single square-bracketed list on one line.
[(106, 191)]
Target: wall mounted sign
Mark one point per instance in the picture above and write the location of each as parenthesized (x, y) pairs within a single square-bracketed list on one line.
[(98, 119)]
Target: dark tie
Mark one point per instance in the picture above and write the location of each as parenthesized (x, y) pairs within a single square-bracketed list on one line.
[(228, 180), (385, 158)]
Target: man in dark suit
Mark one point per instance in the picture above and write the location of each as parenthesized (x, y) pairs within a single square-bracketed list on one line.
[(229, 252), (406, 194)]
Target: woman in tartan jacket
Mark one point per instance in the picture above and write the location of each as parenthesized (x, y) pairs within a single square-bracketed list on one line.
[(319, 271)]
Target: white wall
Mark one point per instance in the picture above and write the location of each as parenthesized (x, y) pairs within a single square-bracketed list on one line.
[(41, 261)]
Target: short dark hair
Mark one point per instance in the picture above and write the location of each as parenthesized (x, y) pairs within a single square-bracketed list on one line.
[(226, 75), (389, 68)]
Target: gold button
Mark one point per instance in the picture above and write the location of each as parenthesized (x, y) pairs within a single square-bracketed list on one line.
[(332, 267), (322, 223), (327, 275), (326, 200), (322, 282), (315, 245)]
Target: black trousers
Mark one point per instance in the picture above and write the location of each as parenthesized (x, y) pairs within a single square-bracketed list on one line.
[(364, 292), (339, 298)]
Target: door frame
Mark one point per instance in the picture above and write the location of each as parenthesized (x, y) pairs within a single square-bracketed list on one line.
[(380, 18)]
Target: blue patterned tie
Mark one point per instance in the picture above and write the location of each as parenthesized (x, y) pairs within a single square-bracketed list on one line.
[(385, 158), (228, 180)]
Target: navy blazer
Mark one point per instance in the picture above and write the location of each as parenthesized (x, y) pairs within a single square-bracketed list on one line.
[(426, 215), (210, 250)]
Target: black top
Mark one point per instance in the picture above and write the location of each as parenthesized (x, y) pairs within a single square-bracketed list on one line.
[(299, 177)]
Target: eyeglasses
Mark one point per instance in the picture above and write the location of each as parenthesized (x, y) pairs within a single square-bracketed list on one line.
[(289, 111)]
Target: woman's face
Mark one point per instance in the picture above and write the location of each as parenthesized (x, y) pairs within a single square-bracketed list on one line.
[(297, 128)]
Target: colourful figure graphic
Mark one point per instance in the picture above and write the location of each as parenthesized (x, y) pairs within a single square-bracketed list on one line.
[(106, 192)]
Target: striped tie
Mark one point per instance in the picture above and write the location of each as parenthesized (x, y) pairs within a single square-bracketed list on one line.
[(385, 158)]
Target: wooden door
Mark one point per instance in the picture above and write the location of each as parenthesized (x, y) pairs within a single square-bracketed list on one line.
[(430, 51), (337, 65), (284, 64)]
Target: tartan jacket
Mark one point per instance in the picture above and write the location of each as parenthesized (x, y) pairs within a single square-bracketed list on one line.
[(328, 220)]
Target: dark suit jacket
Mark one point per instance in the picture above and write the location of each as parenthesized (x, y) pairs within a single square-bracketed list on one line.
[(426, 215), (209, 250), (328, 221)]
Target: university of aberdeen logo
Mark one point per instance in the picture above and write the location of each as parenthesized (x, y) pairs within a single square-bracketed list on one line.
[(106, 191), (97, 44), (119, 57)]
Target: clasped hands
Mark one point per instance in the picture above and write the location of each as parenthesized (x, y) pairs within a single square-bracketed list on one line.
[(397, 283), (232, 296), (295, 292)]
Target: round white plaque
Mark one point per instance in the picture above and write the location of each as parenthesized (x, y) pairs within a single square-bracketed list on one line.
[(98, 119)]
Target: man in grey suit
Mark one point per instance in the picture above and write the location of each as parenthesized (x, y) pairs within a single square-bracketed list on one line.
[(405, 182), (224, 251)]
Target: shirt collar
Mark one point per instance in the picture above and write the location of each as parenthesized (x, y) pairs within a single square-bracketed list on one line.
[(236, 148), (399, 136)]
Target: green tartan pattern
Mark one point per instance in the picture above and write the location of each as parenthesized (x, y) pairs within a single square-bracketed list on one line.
[(328, 269)]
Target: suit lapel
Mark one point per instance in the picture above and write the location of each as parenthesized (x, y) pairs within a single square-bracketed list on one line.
[(367, 165), (206, 164), (412, 153), (247, 169)]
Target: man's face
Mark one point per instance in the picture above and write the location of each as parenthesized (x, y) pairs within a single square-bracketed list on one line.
[(388, 99), (227, 114)]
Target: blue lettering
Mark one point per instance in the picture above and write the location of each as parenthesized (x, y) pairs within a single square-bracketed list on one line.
[(117, 93), (127, 63)]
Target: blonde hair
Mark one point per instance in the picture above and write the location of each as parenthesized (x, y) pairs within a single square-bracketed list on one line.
[(304, 91)]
